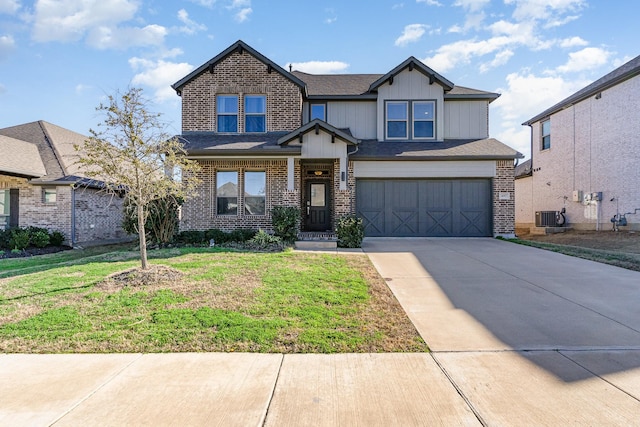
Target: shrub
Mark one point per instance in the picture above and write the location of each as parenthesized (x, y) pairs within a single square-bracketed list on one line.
[(5, 238), (350, 231), (241, 235), (56, 238), (218, 236), (192, 237), (263, 240), (39, 238), (162, 219), (19, 239), (285, 221)]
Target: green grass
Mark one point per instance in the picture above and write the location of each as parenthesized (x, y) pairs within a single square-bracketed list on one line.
[(224, 301)]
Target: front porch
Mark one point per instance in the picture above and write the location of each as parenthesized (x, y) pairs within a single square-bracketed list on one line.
[(308, 240)]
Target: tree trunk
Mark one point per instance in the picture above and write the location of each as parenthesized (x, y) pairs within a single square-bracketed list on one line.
[(142, 237)]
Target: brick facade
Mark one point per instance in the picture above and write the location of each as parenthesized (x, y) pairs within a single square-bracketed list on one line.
[(241, 74), (199, 213), (98, 216), (504, 199)]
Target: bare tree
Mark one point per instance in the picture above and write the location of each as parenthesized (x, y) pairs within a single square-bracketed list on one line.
[(132, 153)]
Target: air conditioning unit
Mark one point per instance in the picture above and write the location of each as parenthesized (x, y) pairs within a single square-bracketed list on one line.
[(546, 218)]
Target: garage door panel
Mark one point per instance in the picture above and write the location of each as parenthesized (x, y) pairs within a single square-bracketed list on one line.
[(427, 207)]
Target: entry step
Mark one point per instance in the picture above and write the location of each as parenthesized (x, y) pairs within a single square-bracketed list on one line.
[(316, 244)]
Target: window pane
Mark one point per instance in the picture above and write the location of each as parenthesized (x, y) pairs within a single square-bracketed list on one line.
[(227, 123), (254, 192), (227, 104), (423, 111), (317, 112), (254, 124), (255, 104), (227, 192), (4, 202), (49, 195), (396, 110), (423, 129), (317, 195), (546, 127), (546, 142), (396, 129)]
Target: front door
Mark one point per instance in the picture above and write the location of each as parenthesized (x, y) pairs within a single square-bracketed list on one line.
[(317, 206)]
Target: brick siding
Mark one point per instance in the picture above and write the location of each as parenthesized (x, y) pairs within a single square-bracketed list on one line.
[(240, 74), (504, 210)]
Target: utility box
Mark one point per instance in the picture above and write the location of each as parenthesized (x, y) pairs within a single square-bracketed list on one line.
[(597, 196), (577, 196), (546, 218)]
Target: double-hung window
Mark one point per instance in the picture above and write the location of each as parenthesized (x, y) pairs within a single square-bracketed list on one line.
[(255, 183), (546, 134), (397, 116), (255, 113), (424, 119), (227, 113), (227, 192)]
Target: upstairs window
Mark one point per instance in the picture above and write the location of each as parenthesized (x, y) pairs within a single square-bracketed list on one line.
[(227, 192), (397, 118), (318, 111), (255, 113), (546, 134), (227, 113), (424, 119)]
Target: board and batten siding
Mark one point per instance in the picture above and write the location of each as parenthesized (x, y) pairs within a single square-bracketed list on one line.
[(409, 85), (357, 116), (466, 119), (431, 169)]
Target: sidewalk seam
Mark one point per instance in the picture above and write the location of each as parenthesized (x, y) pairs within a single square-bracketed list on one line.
[(273, 392), (459, 390), (100, 387)]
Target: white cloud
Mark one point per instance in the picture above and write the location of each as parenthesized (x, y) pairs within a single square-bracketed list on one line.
[(411, 34), (499, 59), (449, 56), (572, 42), (398, 6), (125, 37), (585, 59), (7, 44), (319, 67), (159, 75), (430, 2), (243, 14), (190, 26), (82, 88), (527, 95), (9, 7), (205, 3), (472, 5), (70, 20), (544, 9)]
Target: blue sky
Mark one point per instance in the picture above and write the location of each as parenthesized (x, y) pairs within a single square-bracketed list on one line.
[(60, 58)]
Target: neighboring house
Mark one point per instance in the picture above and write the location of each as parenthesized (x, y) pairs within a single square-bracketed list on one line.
[(41, 185), (408, 150), (585, 152)]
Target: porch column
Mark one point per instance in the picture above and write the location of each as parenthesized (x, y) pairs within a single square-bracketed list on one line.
[(291, 167)]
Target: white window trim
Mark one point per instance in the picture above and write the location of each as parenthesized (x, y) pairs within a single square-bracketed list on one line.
[(44, 195), (387, 120), (542, 135), (413, 119), (244, 98)]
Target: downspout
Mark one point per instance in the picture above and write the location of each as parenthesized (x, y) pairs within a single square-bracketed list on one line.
[(73, 215)]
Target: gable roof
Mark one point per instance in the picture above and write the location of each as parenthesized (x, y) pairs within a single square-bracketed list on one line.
[(238, 46), (20, 158), (413, 63), (315, 125), (523, 170), (617, 76), (54, 145)]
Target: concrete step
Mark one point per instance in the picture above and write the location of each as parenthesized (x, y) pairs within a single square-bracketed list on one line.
[(316, 244)]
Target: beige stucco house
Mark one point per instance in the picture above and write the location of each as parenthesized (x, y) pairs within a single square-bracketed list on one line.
[(407, 150), (585, 156), (41, 185)]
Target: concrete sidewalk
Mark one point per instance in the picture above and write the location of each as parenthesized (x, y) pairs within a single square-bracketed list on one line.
[(519, 336)]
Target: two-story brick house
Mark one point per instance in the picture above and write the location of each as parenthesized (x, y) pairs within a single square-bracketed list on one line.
[(585, 152), (408, 150)]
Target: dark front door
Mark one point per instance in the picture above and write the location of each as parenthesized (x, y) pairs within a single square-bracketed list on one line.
[(317, 206)]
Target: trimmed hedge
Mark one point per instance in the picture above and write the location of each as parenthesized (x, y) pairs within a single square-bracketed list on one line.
[(21, 238)]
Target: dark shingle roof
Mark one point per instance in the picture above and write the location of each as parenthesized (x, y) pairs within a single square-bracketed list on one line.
[(316, 125), (489, 148), (523, 169), (337, 84), (212, 143), (620, 74)]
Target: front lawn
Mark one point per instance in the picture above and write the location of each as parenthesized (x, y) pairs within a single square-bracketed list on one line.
[(200, 299)]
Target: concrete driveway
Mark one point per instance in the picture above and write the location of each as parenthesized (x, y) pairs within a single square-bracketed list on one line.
[(526, 336)]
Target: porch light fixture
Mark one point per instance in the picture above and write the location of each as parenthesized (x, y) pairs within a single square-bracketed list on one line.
[(410, 66), (318, 173), (432, 79), (211, 68), (390, 80), (269, 69)]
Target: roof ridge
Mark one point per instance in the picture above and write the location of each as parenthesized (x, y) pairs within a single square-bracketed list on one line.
[(51, 143)]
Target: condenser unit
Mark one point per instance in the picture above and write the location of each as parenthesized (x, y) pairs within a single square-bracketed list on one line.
[(546, 218)]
